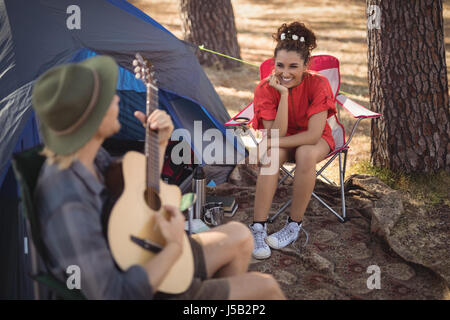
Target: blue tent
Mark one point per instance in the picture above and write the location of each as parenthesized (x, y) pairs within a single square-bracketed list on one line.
[(37, 35)]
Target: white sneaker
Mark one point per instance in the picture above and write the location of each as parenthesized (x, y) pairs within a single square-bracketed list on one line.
[(285, 236), (260, 250)]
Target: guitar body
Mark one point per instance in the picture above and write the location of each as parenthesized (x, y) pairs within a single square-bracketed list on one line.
[(132, 216)]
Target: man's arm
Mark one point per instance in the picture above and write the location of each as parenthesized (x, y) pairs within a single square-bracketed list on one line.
[(173, 231), (74, 236)]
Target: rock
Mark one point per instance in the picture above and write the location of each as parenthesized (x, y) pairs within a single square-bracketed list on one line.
[(424, 238), (418, 235), (285, 277), (358, 285), (387, 209), (317, 262), (325, 235), (360, 251), (244, 175), (400, 271)]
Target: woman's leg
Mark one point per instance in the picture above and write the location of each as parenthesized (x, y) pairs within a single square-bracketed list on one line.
[(266, 186), (265, 190), (306, 158)]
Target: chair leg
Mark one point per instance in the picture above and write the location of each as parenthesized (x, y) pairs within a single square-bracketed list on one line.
[(326, 179), (343, 216), (328, 207), (34, 262), (281, 210), (287, 174), (341, 178), (345, 162)]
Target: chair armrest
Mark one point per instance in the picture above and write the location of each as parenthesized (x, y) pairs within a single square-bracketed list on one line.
[(244, 117), (355, 109)]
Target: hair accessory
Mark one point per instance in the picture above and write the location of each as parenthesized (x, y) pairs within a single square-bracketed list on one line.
[(293, 37)]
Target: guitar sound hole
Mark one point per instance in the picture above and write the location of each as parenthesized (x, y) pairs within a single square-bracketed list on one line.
[(152, 199)]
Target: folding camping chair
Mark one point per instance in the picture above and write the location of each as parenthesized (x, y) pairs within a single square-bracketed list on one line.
[(329, 67), (27, 165)]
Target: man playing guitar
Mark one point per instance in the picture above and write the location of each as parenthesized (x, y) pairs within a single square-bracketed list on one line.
[(78, 109)]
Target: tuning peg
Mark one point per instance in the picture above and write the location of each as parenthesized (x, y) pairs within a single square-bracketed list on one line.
[(138, 75), (135, 62), (137, 70), (152, 73)]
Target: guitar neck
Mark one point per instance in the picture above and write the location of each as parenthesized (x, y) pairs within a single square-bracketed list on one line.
[(152, 141)]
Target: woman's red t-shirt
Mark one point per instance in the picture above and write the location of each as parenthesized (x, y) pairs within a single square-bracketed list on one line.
[(313, 95)]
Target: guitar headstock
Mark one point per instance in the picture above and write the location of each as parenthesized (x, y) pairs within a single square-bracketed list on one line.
[(144, 70)]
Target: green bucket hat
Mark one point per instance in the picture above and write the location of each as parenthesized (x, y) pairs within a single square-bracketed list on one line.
[(71, 101)]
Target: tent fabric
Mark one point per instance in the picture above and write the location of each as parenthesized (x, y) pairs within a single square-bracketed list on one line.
[(35, 37)]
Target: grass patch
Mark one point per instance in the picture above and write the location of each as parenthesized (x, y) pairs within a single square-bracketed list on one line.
[(427, 189)]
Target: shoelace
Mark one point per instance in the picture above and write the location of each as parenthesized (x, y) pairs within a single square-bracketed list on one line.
[(259, 237), (287, 231)]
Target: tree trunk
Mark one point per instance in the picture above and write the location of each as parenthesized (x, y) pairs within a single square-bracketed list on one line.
[(211, 23), (408, 85)]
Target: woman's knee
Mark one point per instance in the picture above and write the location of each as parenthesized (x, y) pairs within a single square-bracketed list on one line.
[(275, 154), (305, 158)]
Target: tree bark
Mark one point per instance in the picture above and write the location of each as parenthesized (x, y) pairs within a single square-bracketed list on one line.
[(408, 85), (211, 23)]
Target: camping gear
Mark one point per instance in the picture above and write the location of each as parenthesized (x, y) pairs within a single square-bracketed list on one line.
[(198, 187), (214, 214)]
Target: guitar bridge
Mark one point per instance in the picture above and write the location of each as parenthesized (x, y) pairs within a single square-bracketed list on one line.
[(146, 244)]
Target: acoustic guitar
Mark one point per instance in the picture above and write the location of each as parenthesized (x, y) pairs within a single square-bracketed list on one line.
[(133, 235)]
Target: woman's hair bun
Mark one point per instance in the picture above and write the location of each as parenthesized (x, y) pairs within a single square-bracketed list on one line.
[(295, 36), (300, 30)]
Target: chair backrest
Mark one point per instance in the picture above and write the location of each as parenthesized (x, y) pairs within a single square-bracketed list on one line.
[(327, 66), (26, 166)]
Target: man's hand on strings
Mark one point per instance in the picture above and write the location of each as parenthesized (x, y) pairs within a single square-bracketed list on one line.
[(158, 120)]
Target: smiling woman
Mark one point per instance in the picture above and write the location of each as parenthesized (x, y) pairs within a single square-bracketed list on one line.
[(297, 102)]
